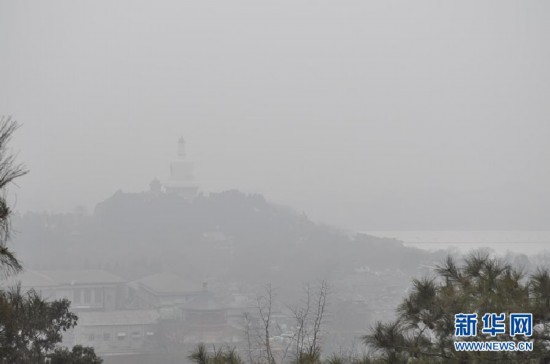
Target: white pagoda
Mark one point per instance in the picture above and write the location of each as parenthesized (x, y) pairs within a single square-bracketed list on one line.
[(181, 181)]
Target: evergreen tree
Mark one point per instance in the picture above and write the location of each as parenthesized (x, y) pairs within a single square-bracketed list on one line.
[(30, 327), (425, 327)]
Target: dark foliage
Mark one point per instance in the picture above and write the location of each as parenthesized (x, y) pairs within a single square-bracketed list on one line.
[(31, 326), (78, 355), (424, 330)]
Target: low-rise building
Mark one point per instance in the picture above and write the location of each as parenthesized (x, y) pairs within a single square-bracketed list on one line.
[(164, 290), (88, 290), (116, 333)]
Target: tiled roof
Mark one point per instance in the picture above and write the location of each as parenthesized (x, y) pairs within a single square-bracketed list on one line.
[(168, 283), (204, 301), (118, 318), (49, 278)]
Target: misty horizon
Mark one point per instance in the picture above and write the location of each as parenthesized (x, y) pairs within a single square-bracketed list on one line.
[(367, 117), (285, 182)]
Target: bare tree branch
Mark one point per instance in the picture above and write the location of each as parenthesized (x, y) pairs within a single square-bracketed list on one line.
[(9, 171), (265, 310), (319, 316)]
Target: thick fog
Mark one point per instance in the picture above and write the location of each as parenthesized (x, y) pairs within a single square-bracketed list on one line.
[(362, 114), (207, 172)]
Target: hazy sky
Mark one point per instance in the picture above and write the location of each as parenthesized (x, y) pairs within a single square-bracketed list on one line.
[(363, 114)]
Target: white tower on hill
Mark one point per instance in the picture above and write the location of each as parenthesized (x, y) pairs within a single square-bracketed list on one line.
[(181, 181)]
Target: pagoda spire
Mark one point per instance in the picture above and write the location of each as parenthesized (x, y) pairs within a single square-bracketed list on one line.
[(181, 147)]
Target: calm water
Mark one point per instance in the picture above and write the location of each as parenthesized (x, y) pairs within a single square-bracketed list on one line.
[(528, 242)]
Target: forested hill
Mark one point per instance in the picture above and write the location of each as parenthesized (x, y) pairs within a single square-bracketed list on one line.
[(228, 234), (171, 218)]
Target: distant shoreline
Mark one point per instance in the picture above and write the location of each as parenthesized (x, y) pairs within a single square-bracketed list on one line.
[(527, 242)]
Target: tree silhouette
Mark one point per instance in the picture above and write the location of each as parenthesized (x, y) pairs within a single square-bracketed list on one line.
[(30, 327), (9, 171), (424, 329)]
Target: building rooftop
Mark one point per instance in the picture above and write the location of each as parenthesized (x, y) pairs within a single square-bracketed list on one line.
[(50, 278), (168, 283), (118, 318), (206, 301)]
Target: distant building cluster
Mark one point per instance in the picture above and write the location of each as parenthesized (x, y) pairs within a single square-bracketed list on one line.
[(135, 321)]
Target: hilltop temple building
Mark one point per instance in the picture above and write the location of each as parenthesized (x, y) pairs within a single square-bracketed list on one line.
[(181, 180)]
